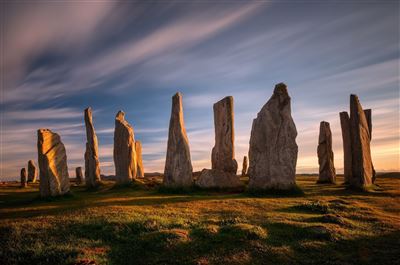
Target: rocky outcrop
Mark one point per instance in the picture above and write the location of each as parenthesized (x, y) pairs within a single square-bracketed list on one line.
[(92, 165), (362, 171), (32, 171), (224, 165), (79, 175), (178, 165), (346, 137), (139, 160), (52, 157), (244, 167), (124, 150), (24, 183), (327, 173), (273, 149)]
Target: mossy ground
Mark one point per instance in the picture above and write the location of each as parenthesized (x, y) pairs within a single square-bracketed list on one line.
[(140, 224)]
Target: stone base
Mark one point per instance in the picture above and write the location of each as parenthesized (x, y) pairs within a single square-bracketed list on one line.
[(211, 178)]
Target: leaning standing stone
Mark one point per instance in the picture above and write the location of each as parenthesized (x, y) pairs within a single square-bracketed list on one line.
[(52, 157), (178, 165), (24, 183), (327, 173), (273, 149), (92, 165), (244, 167), (32, 171), (139, 161), (124, 150), (79, 175), (362, 171)]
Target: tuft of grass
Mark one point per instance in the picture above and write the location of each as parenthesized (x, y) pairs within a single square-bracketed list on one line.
[(243, 231), (313, 206)]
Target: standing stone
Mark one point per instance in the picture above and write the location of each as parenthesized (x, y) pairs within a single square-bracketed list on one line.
[(139, 161), (24, 183), (244, 167), (327, 173), (32, 171), (368, 116), (223, 153), (124, 150), (178, 165), (224, 165), (92, 168), (346, 136), (273, 149), (79, 175), (52, 157), (362, 171)]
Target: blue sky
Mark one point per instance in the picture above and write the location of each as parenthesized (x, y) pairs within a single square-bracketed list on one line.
[(59, 58)]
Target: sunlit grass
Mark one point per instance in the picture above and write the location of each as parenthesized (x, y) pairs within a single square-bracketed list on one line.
[(326, 224)]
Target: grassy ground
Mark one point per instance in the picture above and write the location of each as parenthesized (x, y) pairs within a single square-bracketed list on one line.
[(140, 225)]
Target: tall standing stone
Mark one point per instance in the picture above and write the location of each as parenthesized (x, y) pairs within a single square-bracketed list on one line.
[(362, 171), (368, 116), (52, 157), (273, 149), (327, 173), (92, 165), (124, 150), (224, 165), (223, 153), (24, 183), (244, 167), (32, 171), (347, 155), (139, 160), (178, 165), (79, 175)]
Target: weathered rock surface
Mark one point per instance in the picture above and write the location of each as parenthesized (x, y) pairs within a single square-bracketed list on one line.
[(273, 149), (346, 137), (139, 160), (92, 165), (32, 171), (214, 178), (362, 171), (178, 165), (52, 157), (79, 175), (244, 167), (24, 183), (327, 173), (224, 165), (223, 152), (368, 116), (124, 150)]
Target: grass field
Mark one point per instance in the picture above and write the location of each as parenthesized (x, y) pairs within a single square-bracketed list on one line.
[(141, 225)]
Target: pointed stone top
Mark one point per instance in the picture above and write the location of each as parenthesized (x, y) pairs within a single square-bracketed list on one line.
[(88, 109), (227, 98), (177, 94), (281, 89), (120, 115), (42, 130)]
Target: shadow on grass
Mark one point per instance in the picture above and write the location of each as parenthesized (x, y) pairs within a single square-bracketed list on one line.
[(143, 242)]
